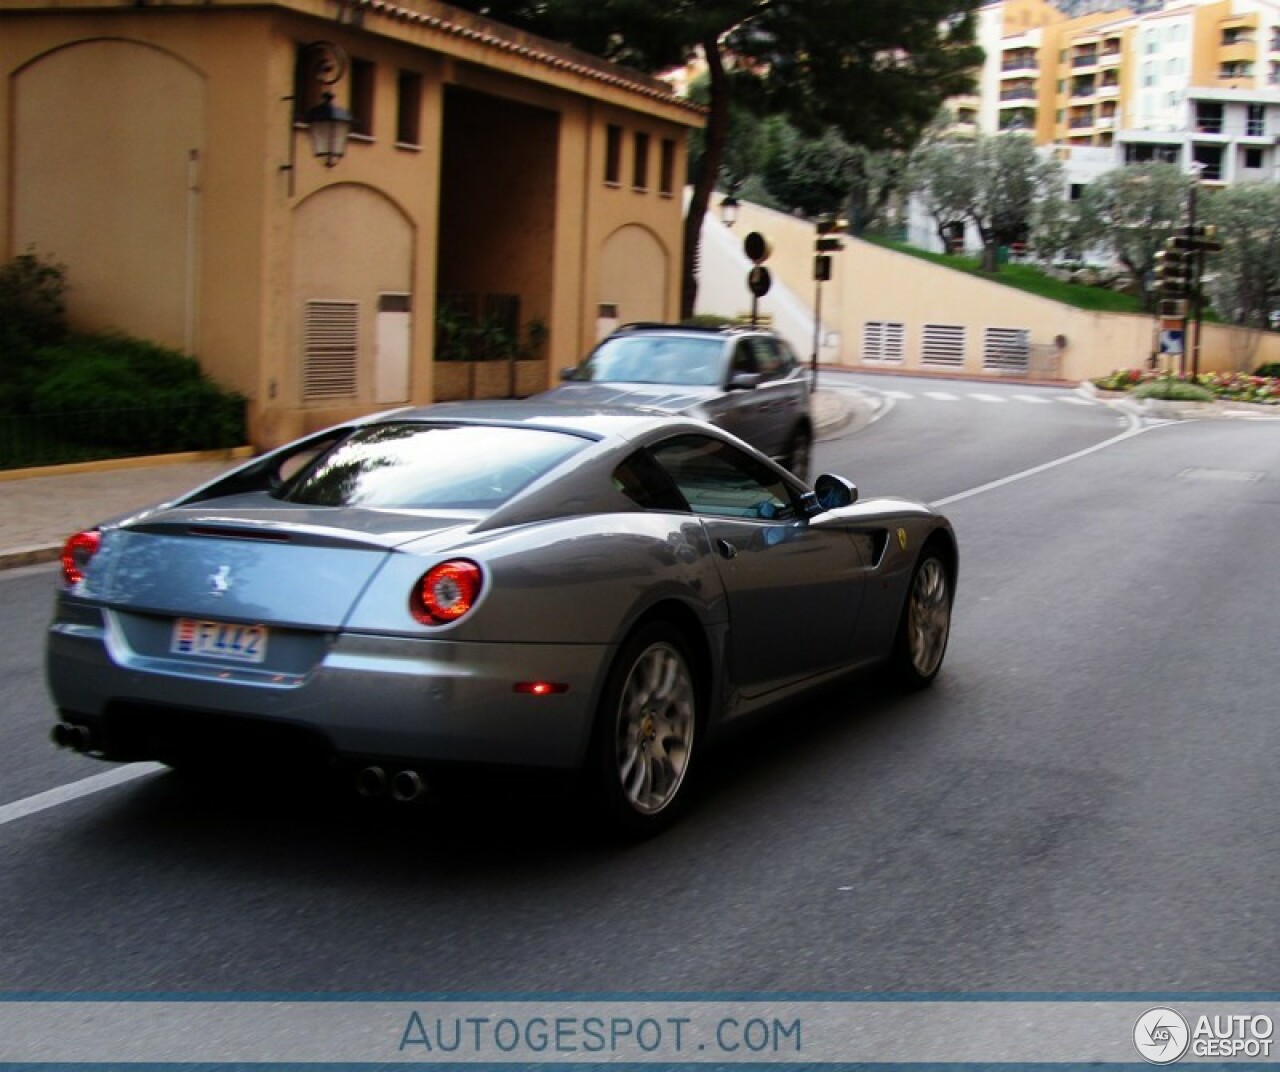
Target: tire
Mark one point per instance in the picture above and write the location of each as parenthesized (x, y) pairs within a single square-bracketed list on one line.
[(925, 623), (645, 734), (799, 452)]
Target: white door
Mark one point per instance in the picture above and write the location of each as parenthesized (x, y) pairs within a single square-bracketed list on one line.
[(391, 358)]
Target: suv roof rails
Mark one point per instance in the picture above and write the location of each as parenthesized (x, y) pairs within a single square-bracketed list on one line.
[(722, 329)]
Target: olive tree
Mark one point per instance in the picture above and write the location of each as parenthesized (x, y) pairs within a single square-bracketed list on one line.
[(1130, 211), (1244, 279)]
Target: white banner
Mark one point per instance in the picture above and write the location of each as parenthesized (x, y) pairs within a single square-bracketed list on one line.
[(762, 1030)]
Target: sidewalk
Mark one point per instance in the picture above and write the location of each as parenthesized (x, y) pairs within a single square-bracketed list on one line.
[(40, 508)]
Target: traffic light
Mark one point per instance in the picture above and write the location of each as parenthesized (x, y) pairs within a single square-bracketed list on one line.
[(826, 242), (1173, 270), (1199, 238)]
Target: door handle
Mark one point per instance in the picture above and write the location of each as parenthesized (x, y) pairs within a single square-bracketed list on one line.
[(726, 549)]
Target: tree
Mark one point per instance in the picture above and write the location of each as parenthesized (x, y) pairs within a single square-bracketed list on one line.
[(877, 70), (1009, 179), (1244, 279), (940, 174), (1130, 211), (996, 182), (809, 175), (1055, 231)]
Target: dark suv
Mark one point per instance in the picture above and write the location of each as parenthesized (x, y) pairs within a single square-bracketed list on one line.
[(746, 380)]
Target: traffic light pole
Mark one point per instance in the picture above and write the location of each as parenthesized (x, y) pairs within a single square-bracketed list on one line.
[(817, 331), (1180, 274), (1196, 269), (825, 243)]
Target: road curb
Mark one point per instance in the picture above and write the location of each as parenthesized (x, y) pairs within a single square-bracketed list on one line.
[(17, 557), (144, 461)]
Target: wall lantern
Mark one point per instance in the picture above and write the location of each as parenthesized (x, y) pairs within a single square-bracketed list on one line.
[(319, 63), (330, 125), (729, 209)]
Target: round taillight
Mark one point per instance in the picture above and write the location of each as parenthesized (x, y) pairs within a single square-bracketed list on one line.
[(446, 592), (76, 553)]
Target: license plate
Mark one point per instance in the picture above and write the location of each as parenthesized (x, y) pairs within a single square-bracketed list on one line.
[(219, 640)]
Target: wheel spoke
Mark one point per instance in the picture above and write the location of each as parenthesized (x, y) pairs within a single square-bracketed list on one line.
[(654, 728), (929, 617)]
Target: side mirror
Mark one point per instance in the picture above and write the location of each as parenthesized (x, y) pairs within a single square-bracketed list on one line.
[(744, 381), (833, 492), (567, 374)]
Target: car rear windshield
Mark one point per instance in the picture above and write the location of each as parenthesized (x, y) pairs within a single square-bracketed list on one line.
[(431, 467), (668, 359)]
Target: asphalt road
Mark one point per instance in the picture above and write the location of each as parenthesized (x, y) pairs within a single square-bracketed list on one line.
[(1083, 802)]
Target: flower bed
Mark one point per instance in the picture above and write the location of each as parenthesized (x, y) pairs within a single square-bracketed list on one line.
[(1227, 386)]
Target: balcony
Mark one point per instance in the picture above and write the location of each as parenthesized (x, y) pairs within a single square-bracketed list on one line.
[(1019, 61)]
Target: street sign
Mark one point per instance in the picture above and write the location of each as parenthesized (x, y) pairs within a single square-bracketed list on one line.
[(756, 247), (759, 281)]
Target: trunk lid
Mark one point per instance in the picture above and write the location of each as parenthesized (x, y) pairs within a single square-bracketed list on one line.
[(275, 564)]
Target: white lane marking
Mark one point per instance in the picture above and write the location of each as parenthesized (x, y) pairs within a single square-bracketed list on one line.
[(988, 398), (1038, 400), (1076, 400), (1136, 427), (64, 794), (897, 394), (941, 396)]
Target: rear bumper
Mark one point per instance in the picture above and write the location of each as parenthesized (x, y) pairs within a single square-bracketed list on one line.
[(390, 697)]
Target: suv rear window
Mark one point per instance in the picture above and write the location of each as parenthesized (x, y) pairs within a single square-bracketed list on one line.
[(430, 466)]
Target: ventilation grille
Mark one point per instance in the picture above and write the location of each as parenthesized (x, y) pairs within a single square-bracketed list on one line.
[(943, 345), (332, 348), (1006, 350), (882, 340)]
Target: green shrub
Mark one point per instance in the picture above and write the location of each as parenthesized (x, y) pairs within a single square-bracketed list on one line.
[(1271, 369), (33, 314), (115, 391), (1173, 390)]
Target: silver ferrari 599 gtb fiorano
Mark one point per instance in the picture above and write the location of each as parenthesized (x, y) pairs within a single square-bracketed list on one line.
[(516, 584)]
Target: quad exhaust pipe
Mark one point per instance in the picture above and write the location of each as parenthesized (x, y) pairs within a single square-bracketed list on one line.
[(405, 786), (70, 735)]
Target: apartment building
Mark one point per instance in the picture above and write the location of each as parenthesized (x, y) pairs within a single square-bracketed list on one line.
[(1191, 82)]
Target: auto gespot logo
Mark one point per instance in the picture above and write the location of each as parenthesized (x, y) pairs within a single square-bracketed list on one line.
[(1162, 1036)]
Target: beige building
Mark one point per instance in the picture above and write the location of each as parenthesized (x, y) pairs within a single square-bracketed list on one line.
[(160, 152)]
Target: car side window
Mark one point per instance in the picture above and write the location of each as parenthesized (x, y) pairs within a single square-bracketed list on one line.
[(744, 358), (718, 479), (647, 484), (768, 360)]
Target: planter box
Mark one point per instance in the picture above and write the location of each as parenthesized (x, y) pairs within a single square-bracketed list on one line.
[(460, 380)]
